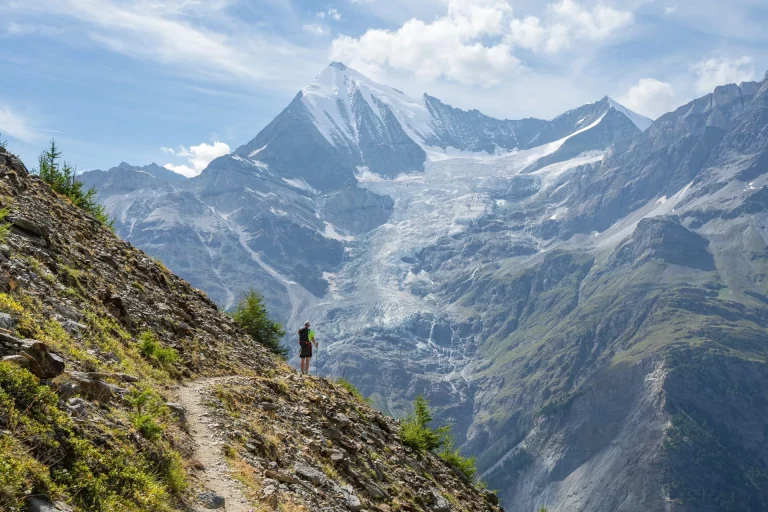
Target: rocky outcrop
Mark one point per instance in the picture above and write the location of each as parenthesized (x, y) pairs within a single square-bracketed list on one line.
[(331, 451)]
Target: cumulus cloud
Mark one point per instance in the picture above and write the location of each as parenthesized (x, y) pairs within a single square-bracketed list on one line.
[(473, 43), (596, 23), (453, 46), (650, 97), (198, 157), (711, 73), (15, 125), (569, 21)]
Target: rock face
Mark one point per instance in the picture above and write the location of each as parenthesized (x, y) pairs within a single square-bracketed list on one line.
[(106, 434), (587, 306)]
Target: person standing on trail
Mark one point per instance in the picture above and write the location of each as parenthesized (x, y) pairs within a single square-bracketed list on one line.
[(306, 340)]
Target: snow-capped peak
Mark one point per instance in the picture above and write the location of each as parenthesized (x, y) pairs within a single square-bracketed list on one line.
[(332, 97), (640, 121)]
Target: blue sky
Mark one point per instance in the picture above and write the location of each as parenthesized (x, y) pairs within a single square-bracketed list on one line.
[(179, 82)]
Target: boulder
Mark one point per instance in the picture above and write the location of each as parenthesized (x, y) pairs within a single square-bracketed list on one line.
[(342, 419), (6, 321), (28, 226), (491, 497), (178, 410), (334, 434), (211, 500), (92, 388), (18, 360), (280, 477), (315, 476), (35, 504), (43, 364), (439, 503), (7, 340), (74, 328), (350, 498), (78, 407)]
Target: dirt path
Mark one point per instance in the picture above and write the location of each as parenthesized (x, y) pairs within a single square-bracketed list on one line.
[(208, 443)]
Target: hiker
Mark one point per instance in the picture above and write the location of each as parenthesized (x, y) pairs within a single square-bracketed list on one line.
[(306, 340)]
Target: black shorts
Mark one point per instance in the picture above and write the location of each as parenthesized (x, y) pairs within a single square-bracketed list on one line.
[(306, 350)]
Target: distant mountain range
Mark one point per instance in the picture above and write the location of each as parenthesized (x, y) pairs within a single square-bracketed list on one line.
[(584, 298)]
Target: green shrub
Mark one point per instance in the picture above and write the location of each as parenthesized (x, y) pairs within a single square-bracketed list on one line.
[(3, 143), (151, 349), (148, 344), (451, 455), (147, 426), (416, 432), (252, 317), (5, 227), (353, 390), (166, 355), (62, 178)]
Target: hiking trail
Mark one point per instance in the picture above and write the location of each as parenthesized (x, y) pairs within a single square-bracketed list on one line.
[(216, 473)]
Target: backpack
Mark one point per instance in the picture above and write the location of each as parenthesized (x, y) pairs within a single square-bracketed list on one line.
[(304, 335)]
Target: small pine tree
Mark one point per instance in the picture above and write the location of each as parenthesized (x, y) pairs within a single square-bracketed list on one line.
[(251, 315), (416, 431), (3, 143), (63, 179)]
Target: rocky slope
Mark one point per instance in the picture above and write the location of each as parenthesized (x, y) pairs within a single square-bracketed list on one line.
[(114, 338)]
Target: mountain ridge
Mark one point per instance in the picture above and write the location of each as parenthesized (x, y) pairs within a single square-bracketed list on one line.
[(535, 296)]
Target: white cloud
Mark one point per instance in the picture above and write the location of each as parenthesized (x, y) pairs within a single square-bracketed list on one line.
[(595, 24), (198, 157), (453, 46), (15, 125), (196, 37), (314, 28), (670, 10), (333, 14), (650, 97), (569, 21), (713, 72)]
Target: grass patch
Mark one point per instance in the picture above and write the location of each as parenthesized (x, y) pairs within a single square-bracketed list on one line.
[(48, 454), (344, 383), (151, 349), (5, 227)]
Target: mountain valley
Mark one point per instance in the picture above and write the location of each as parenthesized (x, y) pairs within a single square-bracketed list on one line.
[(584, 298)]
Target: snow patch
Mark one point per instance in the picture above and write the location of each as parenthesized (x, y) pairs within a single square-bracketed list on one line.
[(301, 184), (641, 122), (253, 154), (332, 233)]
